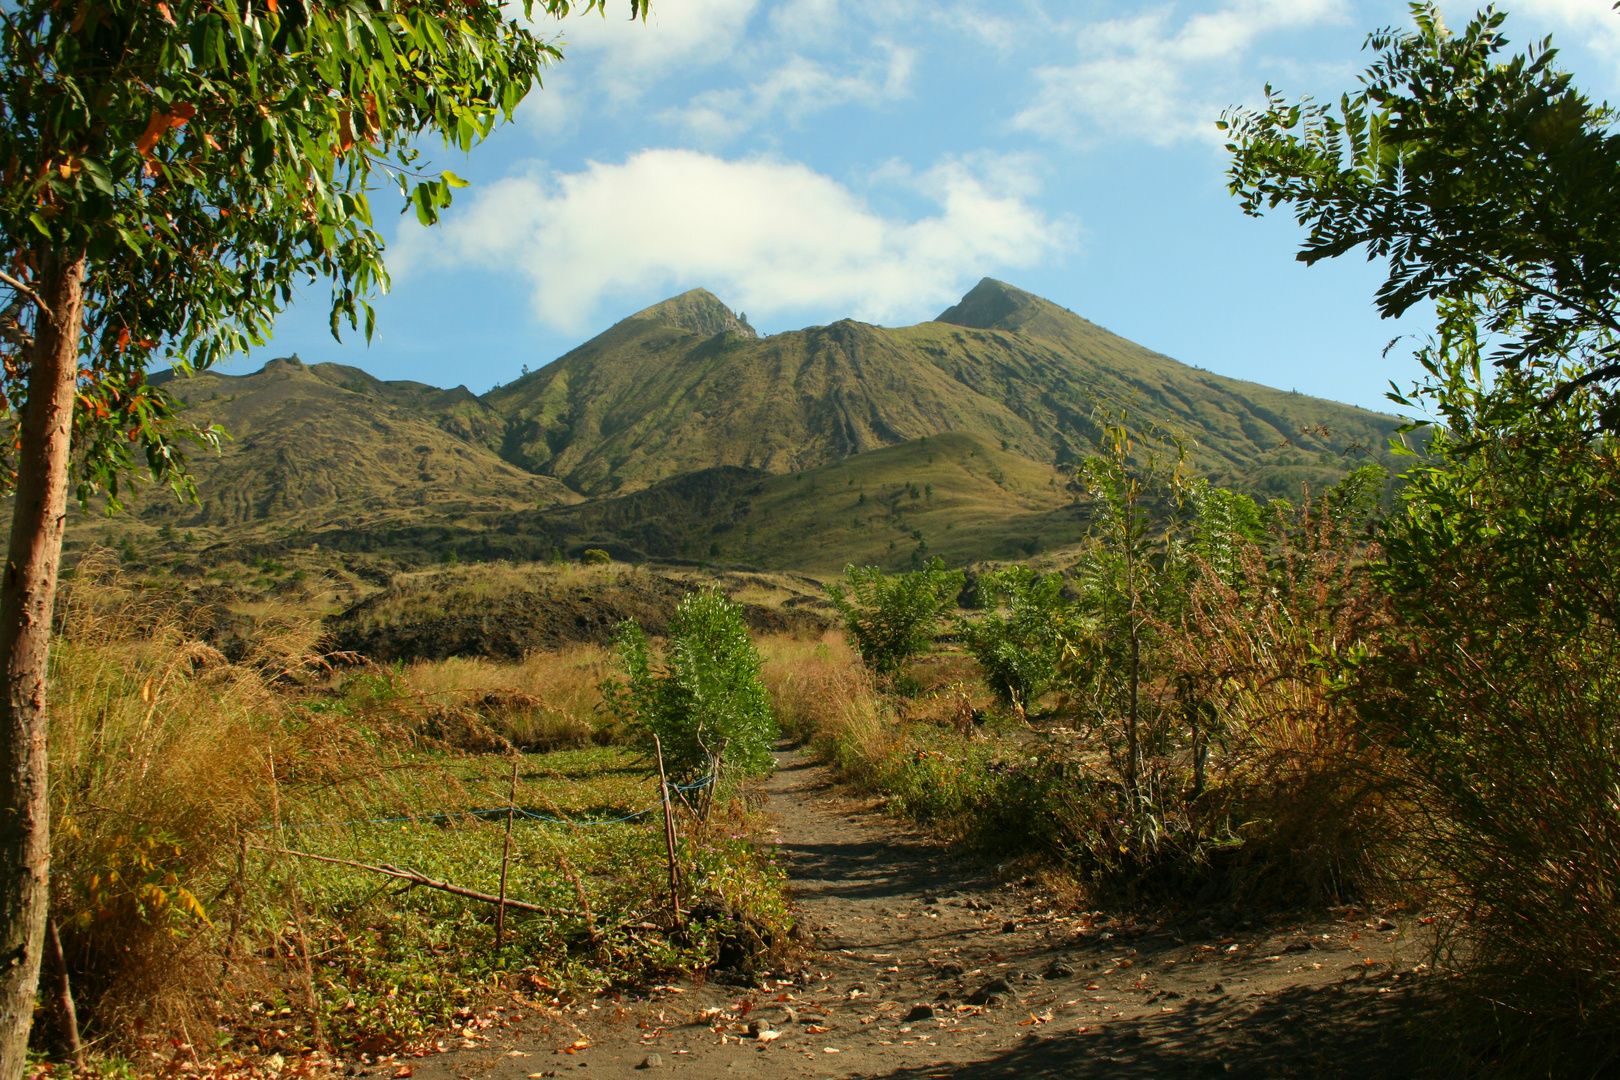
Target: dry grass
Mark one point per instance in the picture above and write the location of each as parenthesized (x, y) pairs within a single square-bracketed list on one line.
[(161, 757), (817, 686), (177, 772), (1314, 808), (549, 701)]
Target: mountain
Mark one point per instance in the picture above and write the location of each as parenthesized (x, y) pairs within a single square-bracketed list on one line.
[(679, 387), (324, 445), (949, 495), (680, 433)]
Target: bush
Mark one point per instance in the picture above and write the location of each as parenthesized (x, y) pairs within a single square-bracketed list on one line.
[(1503, 684), (595, 557), (1018, 650), (893, 618), (1278, 771), (705, 703)]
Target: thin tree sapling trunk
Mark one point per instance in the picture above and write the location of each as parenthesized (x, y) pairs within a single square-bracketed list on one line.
[(27, 601)]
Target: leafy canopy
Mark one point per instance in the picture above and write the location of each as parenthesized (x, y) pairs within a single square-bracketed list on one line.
[(202, 156), (1484, 181)]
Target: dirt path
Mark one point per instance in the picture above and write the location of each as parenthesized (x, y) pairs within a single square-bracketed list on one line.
[(924, 965)]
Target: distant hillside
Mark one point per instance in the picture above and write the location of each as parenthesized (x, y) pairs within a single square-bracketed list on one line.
[(660, 395), (679, 433), (948, 495), (326, 445)]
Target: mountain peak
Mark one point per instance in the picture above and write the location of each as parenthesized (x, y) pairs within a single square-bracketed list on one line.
[(989, 305), (995, 305), (699, 311)]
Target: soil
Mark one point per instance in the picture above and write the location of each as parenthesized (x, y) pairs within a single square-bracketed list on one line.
[(927, 964), (418, 623)]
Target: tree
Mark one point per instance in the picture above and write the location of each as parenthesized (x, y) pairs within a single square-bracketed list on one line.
[(168, 170), (1485, 182), (1018, 650), (1492, 187), (1129, 576)]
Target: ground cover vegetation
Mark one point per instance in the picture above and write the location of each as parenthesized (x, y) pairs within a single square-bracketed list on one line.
[(222, 822)]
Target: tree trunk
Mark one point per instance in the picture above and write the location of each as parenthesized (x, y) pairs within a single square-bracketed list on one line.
[(27, 600)]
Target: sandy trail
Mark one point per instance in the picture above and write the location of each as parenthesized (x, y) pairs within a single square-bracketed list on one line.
[(924, 965)]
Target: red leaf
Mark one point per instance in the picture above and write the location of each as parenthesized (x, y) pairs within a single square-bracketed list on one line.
[(161, 123), (163, 10)]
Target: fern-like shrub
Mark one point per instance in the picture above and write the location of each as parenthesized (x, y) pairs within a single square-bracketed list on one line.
[(892, 618), (1019, 642), (703, 698)]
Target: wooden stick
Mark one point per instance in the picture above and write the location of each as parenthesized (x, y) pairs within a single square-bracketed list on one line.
[(240, 888), (64, 992), (506, 857), (406, 874), (669, 836)]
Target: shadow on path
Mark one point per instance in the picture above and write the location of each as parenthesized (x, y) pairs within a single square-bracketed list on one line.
[(1303, 1033)]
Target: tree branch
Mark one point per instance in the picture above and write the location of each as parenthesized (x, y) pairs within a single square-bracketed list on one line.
[(26, 291), (407, 874)]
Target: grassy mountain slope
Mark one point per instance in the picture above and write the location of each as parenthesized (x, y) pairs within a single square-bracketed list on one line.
[(664, 393), (951, 495), (314, 447), (681, 434)]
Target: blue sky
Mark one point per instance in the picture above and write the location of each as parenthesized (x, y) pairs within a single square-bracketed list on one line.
[(810, 160)]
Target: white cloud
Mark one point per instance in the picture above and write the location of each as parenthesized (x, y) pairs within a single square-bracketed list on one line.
[(677, 35), (781, 62), (1152, 78), (799, 87), (767, 235), (1595, 21)]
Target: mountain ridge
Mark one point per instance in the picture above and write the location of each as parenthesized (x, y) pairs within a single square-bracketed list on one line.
[(1003, 363), (686, 387)]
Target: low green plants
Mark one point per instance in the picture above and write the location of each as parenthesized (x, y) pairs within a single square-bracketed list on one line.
[(1019, 642), (703, 699), (595, 557), (892, 618)]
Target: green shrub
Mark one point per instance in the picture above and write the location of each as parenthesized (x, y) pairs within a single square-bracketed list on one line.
[(893, 618), (1502, 683), (1019, 648), (705, 701), (595, 557)]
